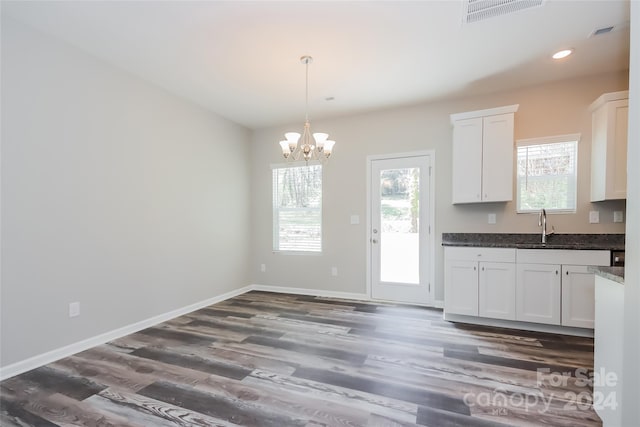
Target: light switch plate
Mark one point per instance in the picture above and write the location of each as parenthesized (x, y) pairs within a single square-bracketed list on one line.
[(594, 217), (618, 216), (355, 219), (492, 218), (74, 309)]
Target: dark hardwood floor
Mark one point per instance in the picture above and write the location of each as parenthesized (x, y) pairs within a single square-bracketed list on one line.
[(266, 359)]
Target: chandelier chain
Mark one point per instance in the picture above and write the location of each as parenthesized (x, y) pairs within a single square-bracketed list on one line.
[(306, 95)]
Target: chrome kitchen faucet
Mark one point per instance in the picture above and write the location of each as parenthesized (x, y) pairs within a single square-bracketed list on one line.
[(542, 222)]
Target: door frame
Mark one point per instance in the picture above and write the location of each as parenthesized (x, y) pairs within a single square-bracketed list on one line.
[(432, 209)]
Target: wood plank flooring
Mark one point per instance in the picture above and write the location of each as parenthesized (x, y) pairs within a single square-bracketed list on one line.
[(267, 359)]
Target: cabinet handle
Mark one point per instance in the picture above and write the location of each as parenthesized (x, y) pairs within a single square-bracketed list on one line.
[(474, 268), (567, 272), (482, 268), (556, 272)]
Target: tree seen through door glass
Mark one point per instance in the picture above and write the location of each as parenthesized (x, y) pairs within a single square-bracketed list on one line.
[(399, 211)]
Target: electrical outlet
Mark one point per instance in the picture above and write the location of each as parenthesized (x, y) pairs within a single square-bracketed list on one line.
[(334, 271), (74, 309), (263, 267), (594, 217), (492, 218), (618, 216)]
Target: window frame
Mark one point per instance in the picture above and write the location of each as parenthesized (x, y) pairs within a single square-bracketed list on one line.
[(575, 138), (275, 223)]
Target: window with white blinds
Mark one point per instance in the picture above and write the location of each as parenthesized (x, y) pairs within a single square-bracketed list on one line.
[(547, 174), (297, 208)]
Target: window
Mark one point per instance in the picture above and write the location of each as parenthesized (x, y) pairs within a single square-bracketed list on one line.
[(297, 208), (547, 174)]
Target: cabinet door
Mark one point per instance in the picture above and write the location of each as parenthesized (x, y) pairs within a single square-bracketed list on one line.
[(467, 161), (538, 293), (578, 296), (497, 158), (497, 290), (617, 153), (609, 151), (461, 287)]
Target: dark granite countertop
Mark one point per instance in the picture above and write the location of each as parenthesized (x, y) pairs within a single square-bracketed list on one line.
[(612, 273), (609, 242)]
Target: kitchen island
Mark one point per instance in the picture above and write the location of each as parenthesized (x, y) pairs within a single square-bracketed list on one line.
[(608, 335)]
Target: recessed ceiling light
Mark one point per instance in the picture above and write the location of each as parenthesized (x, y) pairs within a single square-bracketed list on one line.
[(562, 53)]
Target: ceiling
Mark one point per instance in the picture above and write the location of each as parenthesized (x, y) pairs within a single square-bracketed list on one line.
[(240, 59)]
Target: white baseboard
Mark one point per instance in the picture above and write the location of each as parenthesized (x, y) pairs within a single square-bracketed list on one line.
[(68, 350), (71, 349), (310, 292), (332, 294)]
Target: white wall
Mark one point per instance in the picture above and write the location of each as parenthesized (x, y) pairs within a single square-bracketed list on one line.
[(551, 109), (115, 194), (631, 350)]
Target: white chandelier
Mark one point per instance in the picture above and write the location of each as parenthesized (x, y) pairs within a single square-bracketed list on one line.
[(306, 148)]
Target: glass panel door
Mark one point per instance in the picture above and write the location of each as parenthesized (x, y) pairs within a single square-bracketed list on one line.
[(399, 229)]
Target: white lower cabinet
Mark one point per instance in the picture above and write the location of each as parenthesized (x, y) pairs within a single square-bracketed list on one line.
[(496, 292), (461, 287), (545, 286), (555, 294), (578, 291), (480, 282), (538, 292), (555, 287)]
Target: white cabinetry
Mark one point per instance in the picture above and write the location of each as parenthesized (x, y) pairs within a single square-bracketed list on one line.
[(538, 291), (610, 116), (480, 282), (461, 287), (578, 290), (483, 155), (607, 357), (543, 286), (554, 286), (496, 293)]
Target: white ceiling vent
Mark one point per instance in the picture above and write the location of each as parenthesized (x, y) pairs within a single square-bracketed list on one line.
[(603, 30), (621, 26), (479, 10)]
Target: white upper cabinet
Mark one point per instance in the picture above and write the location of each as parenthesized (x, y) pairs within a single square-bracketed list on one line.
[(483, 155), (467, 160), (609, 121)]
